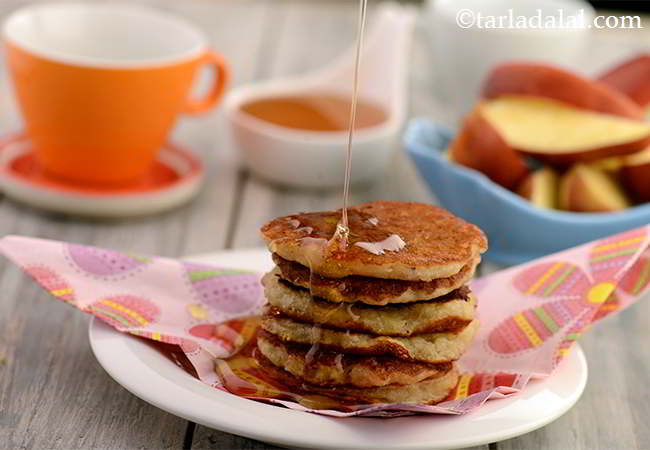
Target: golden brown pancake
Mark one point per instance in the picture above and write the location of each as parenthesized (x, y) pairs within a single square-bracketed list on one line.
[(438, 244), (450, 312), (326, 368), (425, 347), (372, 291), (428, 391)]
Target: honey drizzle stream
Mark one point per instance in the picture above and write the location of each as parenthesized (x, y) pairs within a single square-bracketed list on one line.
[(340, 239), (342, 228)]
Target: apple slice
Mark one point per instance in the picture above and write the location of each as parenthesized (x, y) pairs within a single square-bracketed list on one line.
[(631, 78), (461, 150), (480, 147), (560, 134), (539, 80), (540, 188), (585, 189), (612, 165), (636, 175)]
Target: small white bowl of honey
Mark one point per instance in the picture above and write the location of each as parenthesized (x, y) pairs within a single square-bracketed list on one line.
[(295, 131)]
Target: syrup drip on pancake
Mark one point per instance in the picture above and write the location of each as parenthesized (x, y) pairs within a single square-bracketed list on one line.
[(320, 234), (392, 243), (339, 361), (315, 331), (350, 313)]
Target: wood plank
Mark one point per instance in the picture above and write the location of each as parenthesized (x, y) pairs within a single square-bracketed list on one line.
[(206, 438)]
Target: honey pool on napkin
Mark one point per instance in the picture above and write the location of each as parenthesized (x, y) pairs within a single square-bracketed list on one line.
[(530, 314)]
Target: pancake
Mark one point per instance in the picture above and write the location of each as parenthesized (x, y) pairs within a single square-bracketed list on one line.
[(437, 244), (428, 391), (326, 368), (452, 311), (425, 347), (373, 291)]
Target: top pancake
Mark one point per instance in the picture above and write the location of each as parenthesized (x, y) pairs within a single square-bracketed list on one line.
[(438, 244)]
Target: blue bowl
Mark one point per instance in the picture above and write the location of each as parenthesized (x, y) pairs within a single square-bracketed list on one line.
[(517, 231)]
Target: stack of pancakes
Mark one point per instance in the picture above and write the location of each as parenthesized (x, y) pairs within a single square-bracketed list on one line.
[(364, 323)]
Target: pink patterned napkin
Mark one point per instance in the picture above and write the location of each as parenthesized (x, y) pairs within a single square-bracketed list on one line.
[(530, 314)]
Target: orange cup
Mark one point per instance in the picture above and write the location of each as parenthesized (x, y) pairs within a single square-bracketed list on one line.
[(100, 86)]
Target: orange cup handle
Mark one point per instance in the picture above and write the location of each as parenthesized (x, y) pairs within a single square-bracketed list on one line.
[(216, 91)]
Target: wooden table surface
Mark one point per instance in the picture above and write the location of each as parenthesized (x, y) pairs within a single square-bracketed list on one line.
[(54, 394)]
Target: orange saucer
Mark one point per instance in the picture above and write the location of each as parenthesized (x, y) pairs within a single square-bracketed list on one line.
[(174, 178)]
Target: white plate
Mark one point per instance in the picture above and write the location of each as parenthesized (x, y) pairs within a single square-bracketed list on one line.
[(155, 379)]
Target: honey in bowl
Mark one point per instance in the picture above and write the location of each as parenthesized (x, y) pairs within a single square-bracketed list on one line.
[(316, 112)]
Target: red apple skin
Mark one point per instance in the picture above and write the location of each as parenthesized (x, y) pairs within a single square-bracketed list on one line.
[(635, 175), (526, 187), (542, 80), (481, 147), (460, 150), (632, 78), (637, 181)]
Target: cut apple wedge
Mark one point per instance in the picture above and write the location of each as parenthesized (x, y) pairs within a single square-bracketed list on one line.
[(632, 78), (636, 175), (585, 189), (541, 80), (461, 150), (540, 188), (611, 165), (560, 134), (480, 147)]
